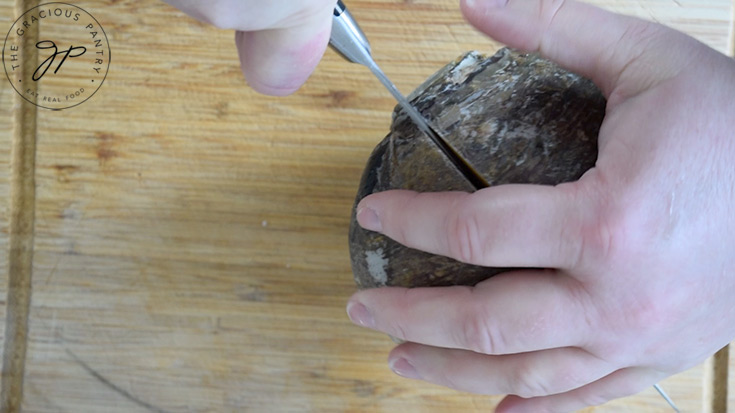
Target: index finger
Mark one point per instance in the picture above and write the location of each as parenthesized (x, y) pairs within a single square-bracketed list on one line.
[(502, 226)]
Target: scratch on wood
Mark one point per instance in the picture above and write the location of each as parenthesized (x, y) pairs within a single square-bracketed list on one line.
[(22, 215), (53, 270), (112, 385)]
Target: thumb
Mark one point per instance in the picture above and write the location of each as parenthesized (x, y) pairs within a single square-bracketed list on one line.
[(622, 55), (278, 61)]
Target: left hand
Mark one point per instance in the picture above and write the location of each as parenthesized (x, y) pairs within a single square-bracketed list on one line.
[(642, 246), (279, 42)]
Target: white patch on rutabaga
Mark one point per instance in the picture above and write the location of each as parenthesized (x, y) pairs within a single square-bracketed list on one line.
[(376, 265)]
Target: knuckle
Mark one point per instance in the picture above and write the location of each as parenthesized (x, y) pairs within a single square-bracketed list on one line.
[(448, 378), (603, 234), (399, 230), (571, 238), (636, 67), (396, 220), (477, 335), (619, 229), (640, 31), (613, 237), (397, 327), (526, 381), (548, 10), (400, 332), (587, 237), (308, 11), (616, 239), (397, 331), (464, 231), (600, 238)]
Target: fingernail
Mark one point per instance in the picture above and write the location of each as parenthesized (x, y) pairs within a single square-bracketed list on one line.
[(368, 219), (403, 368), (360, 315)]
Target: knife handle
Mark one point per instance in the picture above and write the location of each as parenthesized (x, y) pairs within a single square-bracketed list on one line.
[(348, 39)]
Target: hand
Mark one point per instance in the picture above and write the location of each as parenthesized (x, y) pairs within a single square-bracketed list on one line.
[(640, 250), (280, 42)]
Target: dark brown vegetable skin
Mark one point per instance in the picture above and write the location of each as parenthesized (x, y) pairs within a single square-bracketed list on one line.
[(515, 117)]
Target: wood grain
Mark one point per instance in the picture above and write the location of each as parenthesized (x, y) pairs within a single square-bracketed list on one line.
[(7, 96), (716, 382), (20, 228), (190, 240)]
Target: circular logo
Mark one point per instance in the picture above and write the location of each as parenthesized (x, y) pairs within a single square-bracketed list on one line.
[(73, 55)]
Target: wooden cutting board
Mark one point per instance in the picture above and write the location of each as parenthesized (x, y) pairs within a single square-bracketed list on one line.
[(190, 248)]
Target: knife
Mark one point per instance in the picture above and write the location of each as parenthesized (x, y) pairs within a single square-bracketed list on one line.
[(349, 40)]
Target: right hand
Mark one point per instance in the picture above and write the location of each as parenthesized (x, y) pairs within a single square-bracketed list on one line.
[(280, 42), (639, 251)]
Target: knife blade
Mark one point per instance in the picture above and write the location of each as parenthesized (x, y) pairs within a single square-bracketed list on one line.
[(349, 40)]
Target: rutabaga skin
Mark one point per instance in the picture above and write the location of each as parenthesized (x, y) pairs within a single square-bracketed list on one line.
[(515, 117)]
